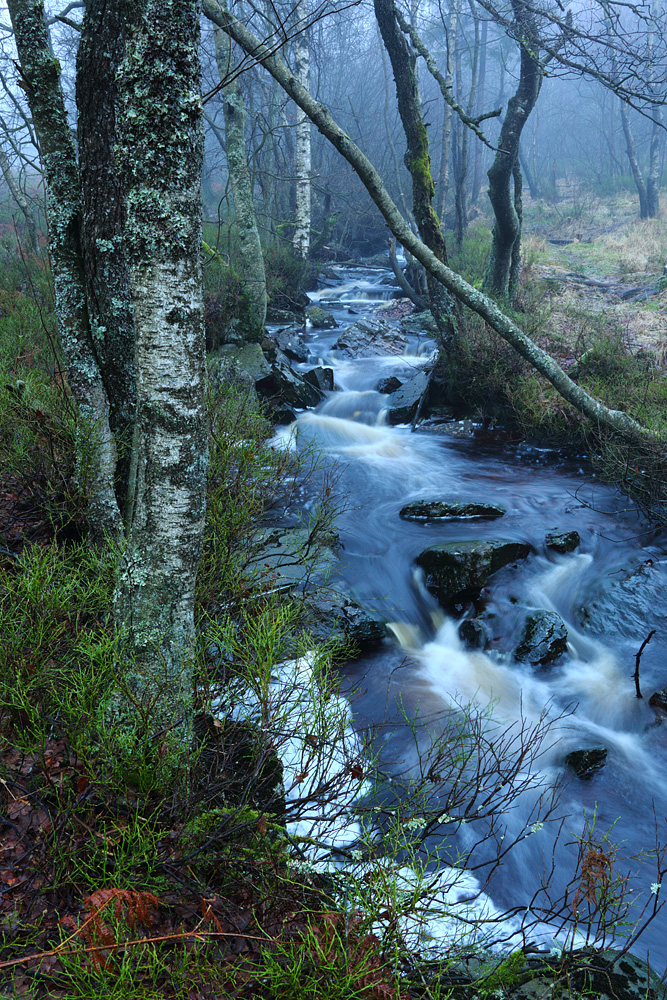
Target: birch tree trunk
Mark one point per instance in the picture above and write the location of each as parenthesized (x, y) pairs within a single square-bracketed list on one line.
[(41, 80), (103, 199), (160, 149), (250, 256), (302, 220)]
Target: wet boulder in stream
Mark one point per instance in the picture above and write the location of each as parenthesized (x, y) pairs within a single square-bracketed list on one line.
[(403, 403), (284, 385), (562, 541), (474, 633), (457, 571), (371, 338), (585, 763), (449, 510), (291, 344), (321, 319), (544, 638), (387, 385), (321, 378)]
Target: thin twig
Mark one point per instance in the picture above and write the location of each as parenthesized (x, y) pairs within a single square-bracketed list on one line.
[(638, 657)]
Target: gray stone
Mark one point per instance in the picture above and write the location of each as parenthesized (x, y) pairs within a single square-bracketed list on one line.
[(371, 338), (425, 510), (291, 344), (320, 319), (403, 402), (332, 616), (457, 571), (286, 386), (544, 638), (474, 633), (321, 378), (390, 384), (247, 357), (563, 541), (285, 316), (278, 558), (585, 763), (420, 322), (624, 605)]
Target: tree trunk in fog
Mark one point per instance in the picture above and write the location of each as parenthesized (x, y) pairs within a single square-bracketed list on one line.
[(418, 161), (161, 150), (477, 174), (41, 75), (19, 198), (632, 159), (451, 39), (653, 177), (461, 195), (616, 420), (505, 172), (103, 195), (250, 256), (302, 219)]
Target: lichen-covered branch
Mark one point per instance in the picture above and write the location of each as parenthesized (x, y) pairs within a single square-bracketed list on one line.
[(615, 420)]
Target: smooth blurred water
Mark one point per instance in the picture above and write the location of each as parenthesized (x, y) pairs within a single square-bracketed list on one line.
[(382, 468)]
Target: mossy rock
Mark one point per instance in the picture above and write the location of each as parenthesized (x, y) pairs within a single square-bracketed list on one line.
[(321, 319)]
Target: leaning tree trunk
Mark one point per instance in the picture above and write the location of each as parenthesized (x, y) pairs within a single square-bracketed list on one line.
[(615, 420), (302, 219), (103, 195), (161, 149), (503, 267), (418, 162), (250, 256), (41, 80)]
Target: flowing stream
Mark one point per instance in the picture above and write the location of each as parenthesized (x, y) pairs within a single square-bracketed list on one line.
[(610, 593)]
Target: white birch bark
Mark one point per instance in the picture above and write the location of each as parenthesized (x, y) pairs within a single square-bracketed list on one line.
[(302, 219), (160, 144)]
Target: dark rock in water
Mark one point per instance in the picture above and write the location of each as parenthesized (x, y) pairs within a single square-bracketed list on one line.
[(424, 510), (403, 402), (456, 571), (586, 762), (287, 386), (283, 414), (563, 541), (371, 338), (321, 319), (291, 344), (321, 378), (390, 384), (332, 616), (659, 700), (544, 638), (474, 633), (420, 322)]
